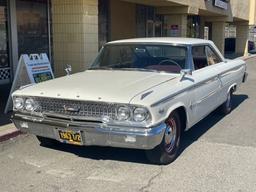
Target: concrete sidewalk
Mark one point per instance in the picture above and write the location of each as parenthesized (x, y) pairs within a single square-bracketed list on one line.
[(8, 131), (7, 128)]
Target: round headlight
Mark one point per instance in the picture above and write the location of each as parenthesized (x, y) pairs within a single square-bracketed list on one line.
[(30, 105), (140, 114), (18, 103), (123, 113)]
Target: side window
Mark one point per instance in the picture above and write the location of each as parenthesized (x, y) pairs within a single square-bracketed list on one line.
[(212, 57), (199, 57)]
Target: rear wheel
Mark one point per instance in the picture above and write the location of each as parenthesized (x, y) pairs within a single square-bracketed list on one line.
[(167, 151), (46, 141), (226, 107)]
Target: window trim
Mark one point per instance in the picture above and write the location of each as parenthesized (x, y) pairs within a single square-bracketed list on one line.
[(185, 46), (204, 45), (213, 50)]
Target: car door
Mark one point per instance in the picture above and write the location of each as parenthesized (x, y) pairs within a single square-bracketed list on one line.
[(206, 83), (231, 74)]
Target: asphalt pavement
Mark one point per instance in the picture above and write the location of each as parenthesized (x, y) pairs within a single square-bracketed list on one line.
[(218, 154)]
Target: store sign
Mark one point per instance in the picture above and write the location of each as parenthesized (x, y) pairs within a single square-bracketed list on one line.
[(34, 68), (221, 4), (38, 67)]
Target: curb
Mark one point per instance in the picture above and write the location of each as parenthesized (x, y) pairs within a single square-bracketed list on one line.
[(245, 58), (9, 133)]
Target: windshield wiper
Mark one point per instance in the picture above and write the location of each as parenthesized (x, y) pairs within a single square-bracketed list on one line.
[(101, 68), (126, 69), (138, 69)]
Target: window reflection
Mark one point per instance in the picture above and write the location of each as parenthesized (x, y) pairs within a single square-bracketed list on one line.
[(32, 26), (4, 56)]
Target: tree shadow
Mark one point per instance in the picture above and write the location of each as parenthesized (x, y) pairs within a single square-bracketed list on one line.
[(138, 156)]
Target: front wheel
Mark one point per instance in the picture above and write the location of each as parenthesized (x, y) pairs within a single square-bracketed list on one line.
[(226, 107), (167, 151)]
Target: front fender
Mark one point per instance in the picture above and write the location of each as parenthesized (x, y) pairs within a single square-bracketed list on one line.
[(164, 111)]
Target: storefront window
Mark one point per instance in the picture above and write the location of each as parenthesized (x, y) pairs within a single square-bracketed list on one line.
[(103, 22), (32, 26), (149, 24), (4, 56), (193, 27), (208, 30)]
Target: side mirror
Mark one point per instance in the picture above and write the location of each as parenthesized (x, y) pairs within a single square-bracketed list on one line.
[(68, 69), (185, 72)]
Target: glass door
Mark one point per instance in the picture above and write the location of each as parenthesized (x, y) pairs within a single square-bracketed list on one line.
[(158, 29), (32, 26), (4, 56), (150, 29)]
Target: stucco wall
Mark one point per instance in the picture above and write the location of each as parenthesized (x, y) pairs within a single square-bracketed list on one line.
[(240, 9), (75, 33), (180, 21), (252, 17), (122, 20)]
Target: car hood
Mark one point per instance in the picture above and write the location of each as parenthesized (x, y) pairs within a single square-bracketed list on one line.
[(99, 85)]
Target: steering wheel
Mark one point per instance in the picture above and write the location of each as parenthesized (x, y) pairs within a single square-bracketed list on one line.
[(169, 61)]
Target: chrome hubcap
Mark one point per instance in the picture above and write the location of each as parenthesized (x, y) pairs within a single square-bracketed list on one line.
[(170, 135)]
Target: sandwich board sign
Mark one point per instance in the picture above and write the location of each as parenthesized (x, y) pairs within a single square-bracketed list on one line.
[(34, 68)]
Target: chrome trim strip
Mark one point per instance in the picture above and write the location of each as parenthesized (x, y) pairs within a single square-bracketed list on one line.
[(166, 99), (76, 118), (143, 96), (227, 72), (64, 121), (208, 80)]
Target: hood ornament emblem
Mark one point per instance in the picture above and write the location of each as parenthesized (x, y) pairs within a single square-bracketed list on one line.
[(71, 109), (68, 69)]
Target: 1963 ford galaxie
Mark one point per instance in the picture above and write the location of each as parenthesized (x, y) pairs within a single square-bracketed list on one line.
[(138, 93)]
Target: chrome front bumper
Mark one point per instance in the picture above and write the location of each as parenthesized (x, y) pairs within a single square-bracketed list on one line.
[(98, 134)]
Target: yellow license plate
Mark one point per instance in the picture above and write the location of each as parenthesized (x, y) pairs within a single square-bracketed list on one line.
[(71, 137)]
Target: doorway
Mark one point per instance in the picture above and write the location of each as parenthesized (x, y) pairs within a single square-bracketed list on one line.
[(4, 51), (208, 31), (154, 28), (5, 68), (148, 23), (32, 26)]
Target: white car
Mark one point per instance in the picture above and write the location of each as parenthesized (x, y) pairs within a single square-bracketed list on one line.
[(138, 93)]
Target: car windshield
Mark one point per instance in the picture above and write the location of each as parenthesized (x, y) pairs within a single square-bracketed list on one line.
[(142, 57)]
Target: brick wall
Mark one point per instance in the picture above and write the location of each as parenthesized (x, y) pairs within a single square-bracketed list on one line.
[(75, 34)]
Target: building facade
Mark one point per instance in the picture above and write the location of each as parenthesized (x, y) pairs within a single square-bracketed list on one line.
[(72, 31), (81, 27)]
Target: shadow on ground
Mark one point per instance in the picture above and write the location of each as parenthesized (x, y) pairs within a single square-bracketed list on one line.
[(203, 126), (4, 93), (138, 156)]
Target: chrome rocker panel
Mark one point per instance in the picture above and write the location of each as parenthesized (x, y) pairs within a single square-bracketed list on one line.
[(93, 133)]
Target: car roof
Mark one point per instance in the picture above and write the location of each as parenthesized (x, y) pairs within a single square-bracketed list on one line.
[(168, 40)]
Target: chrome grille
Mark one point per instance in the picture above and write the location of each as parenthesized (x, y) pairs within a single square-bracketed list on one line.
[(86, 109)]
